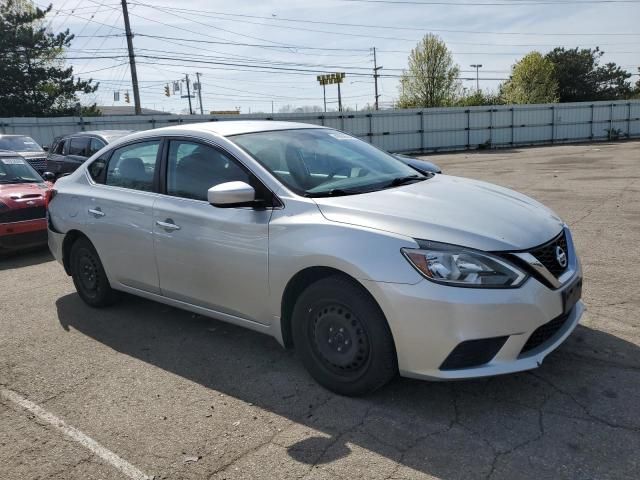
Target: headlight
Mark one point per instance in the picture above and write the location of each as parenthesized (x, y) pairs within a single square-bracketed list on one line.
[(462, 267)]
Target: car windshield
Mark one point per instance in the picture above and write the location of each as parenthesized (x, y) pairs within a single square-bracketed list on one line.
[(324, 162), (16, 170), (19, 143)]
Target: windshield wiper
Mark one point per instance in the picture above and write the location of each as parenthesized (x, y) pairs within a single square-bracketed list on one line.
[(396, 182), (335, 192), (25, 180)]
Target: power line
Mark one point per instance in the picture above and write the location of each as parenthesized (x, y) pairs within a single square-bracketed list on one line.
[(216, 14), (502, 4)]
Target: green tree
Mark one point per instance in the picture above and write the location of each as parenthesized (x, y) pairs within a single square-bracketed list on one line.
[(478, 98), (431, 79), (581, 78), (34, 80), (532, 81)]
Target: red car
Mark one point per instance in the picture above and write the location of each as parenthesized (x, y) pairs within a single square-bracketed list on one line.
[(23, 198)]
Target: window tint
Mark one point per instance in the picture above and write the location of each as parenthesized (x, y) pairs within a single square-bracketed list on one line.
[(59, 147), (194, 168), (98, 169), (79, 146), (95, 145), (133, 166)]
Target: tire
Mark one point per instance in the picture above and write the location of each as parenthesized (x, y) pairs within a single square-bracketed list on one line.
[(88, 275), (343, 338)]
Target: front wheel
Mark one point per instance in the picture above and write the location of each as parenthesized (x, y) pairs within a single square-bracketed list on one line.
[(89, 276), (342, 337)]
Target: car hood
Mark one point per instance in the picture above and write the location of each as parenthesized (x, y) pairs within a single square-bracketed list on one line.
[(450, 209), (21, 194), (32, 154)]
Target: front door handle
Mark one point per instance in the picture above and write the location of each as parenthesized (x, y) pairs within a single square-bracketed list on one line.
[(168, 225), (96, 212)]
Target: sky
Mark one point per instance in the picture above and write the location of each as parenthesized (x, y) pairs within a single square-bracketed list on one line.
[(262, 55)]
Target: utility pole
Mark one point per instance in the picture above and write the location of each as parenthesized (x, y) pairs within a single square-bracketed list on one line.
[(376, 75), (132, 59), (186, 76), (477, 67), (339, 99), (200, 92)]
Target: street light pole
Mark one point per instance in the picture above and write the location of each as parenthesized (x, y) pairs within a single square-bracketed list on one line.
[(477, 66)]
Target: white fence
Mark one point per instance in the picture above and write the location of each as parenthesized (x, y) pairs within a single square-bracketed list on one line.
[(430, 129)]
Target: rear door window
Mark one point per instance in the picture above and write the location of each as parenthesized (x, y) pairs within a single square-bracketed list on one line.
[(58, 148), (95, 145), (133, 166), (79, 146)]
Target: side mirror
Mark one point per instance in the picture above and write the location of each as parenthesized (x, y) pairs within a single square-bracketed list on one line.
[(45, 148), (231, 194), (49, 176)]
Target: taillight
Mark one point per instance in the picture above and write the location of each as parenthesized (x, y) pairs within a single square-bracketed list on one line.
[(48, 196)]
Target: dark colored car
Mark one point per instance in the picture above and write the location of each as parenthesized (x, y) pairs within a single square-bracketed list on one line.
[(421, 166), (70, 151), (23, 197), (26, 147)]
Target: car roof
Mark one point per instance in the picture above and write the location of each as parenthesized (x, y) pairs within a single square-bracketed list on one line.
[(237, 127), (107, 134)]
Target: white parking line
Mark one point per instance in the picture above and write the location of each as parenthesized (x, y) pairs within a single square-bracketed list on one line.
[(87, 442)]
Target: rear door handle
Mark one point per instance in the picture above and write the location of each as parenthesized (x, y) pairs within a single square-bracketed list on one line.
[(168, 225), (96, 212)]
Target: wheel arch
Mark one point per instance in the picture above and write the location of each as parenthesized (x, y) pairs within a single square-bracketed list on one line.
[(69, 239), (299, 282)]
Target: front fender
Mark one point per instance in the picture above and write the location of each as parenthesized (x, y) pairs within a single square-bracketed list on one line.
[(304, 238)]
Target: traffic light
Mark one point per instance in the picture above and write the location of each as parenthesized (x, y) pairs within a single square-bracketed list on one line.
[(167, 93), (127, 99)]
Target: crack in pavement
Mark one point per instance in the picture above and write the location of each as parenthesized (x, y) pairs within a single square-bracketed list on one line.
[(584, 408)]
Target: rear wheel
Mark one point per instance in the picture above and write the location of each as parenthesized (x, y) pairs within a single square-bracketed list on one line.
[(343, 338), (89, 276)]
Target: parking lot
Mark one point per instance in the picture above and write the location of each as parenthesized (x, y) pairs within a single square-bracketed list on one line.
[(145, 389)]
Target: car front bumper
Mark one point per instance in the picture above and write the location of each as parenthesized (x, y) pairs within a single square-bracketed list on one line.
[(428, 321), (24, 234)]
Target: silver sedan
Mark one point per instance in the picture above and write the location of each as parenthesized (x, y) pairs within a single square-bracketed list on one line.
[(364, 265)]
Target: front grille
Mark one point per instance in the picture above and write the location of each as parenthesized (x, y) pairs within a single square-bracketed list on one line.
[(473, 353), (544, 333), (22, 214), (546, 254), (39, 163)]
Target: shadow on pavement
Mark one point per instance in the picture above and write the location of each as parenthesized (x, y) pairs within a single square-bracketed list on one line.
[(26, 258), (575, 414)]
